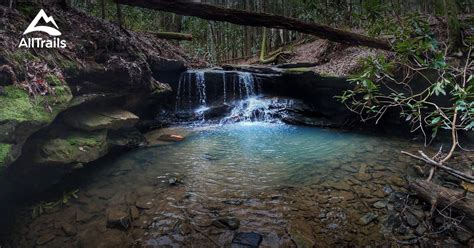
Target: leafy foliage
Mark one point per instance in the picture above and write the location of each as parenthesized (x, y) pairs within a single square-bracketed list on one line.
[(427, 78)]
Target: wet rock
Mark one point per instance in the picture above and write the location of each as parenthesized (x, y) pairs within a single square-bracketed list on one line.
[(234, 202), (172, 181), (397, 181), (247, 239), (343, 185), (171, 137), (387, 189), (134, 213), (393, 220), (380, 204), (83, 217), (302, 235), (402, 229), (229, 223), (100, 119), (118, 219), (380, 193), (217, 111), (411, 220), (362, 175), (420, 230), (45, 238), (68, 229), (144, 203), (368, 218)]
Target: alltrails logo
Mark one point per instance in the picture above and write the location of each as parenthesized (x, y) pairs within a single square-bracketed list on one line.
[(40, 42)]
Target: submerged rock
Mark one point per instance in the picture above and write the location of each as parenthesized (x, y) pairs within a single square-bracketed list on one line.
[(411, 220), (420, 230), (247, 239), (368, 218), (229, 223), (118, 219), (380, 204), (144, 203)]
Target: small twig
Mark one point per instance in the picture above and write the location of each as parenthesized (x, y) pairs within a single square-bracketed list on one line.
[(451, 171)]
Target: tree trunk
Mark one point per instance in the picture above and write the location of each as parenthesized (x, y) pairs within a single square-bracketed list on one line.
[(247, 18), (454, 28), (443, 197), (102, 8), (119, 15), (172, 36)]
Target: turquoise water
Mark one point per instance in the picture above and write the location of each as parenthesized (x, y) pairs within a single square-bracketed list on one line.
[(260, 155), (276, 179)]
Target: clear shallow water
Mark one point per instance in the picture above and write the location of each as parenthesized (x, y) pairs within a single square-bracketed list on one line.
[(293, 185)]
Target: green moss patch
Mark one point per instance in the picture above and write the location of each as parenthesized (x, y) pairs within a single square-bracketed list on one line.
[(299, 70), (74, 147), (16, 105), (4, 152)]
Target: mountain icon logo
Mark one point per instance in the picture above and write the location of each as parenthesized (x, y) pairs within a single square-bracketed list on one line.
[(47, 29)]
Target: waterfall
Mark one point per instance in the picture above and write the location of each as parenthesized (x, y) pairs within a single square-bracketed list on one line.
[(198, 96), (251, 109), (192, 87)]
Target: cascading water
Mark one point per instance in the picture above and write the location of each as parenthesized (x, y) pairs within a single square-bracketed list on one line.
[(240, 92)]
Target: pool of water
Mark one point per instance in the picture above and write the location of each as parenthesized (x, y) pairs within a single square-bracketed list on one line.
[(291, 185)]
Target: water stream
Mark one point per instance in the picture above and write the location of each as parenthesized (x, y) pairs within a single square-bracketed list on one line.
[(290, 185)]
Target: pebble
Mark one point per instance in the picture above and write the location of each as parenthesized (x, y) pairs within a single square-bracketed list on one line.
[(247, 239), (144, 203), (233, 202), (411, 220), (420, 230), (368, 218), (380, 204), (229, 223), (118, 218)]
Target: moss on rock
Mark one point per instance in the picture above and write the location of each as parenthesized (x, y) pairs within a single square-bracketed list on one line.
[(17, 106), (73, 148), (5, 150), (299, 70)]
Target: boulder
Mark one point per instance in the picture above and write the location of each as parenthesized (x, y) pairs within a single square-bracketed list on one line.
[(72, 148), (100, 119), (20, 117)]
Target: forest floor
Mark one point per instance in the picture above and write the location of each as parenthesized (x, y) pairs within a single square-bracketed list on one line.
[(326, 57)]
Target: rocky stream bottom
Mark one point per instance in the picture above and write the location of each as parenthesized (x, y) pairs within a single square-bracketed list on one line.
[(242, 185)]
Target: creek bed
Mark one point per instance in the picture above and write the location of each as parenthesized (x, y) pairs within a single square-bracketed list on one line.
[(289, 185)]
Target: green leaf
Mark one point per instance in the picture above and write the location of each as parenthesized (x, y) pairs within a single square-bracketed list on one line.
[(436, 120)]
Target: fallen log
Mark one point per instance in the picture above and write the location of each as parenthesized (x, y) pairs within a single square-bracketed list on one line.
[(442, 197), (248, 18), (172, 36)]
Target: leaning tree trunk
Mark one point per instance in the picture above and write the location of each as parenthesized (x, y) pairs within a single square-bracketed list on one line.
[(247, 18), (442, 197)]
